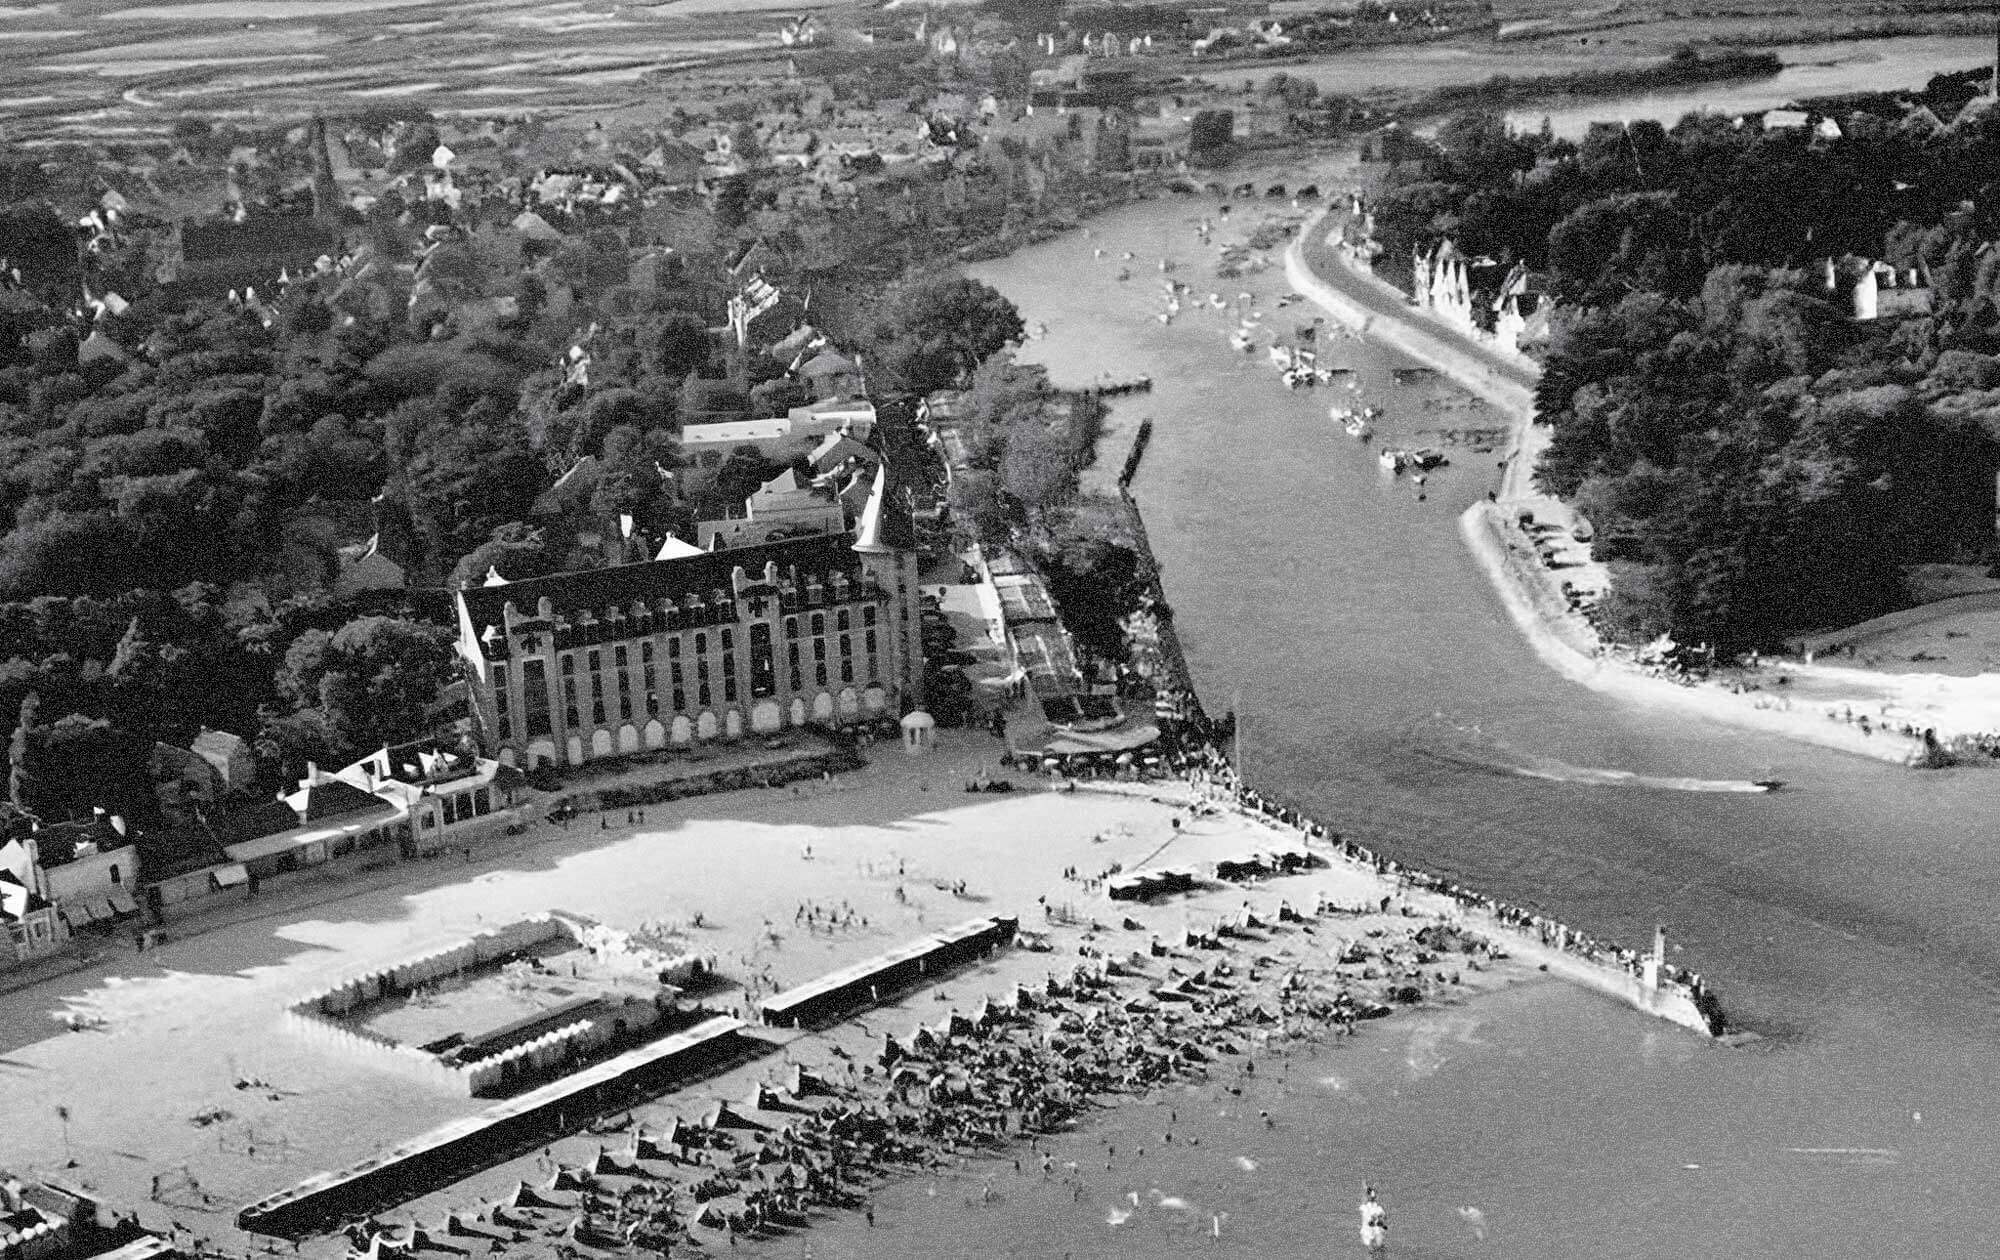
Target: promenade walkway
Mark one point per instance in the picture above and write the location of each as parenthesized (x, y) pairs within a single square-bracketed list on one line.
[(1317, 267)]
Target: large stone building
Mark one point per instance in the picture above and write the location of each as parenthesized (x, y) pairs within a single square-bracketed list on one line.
[(576, 667)]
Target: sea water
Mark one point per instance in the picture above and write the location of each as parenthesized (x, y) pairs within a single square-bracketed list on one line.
[(1846, 918)]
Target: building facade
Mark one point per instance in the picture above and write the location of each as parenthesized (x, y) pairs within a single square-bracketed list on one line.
[(578, 667)]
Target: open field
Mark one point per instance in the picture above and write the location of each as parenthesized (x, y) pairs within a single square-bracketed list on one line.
[(96, 71), (109, 68)]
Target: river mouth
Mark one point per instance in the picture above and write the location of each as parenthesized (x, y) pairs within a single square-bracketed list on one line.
[(1843, 919)]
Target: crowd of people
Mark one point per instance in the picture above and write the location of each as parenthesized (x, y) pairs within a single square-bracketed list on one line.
[(1951, 750), (1013, 1070), (1213, 777)]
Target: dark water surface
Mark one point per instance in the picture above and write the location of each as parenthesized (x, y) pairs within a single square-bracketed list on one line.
[(1850, 918)]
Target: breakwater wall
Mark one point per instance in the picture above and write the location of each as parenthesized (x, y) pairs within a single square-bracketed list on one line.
[(1646, 982), (1140, 441), (454, 1151), (1160, 614), (1655, 987)]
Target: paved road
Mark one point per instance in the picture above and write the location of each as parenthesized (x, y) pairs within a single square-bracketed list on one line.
[(1384, 303)]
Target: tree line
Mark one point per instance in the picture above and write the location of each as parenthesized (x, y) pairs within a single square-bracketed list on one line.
[(1756, 462)]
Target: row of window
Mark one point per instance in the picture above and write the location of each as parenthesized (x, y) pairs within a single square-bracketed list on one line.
[(623, 701), (720, 608)]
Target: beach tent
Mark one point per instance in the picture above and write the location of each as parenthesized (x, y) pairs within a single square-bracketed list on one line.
[(644, 1147), (723, 1116), (605, 1166), (526, 1196), (805, 1083), (457, 1225)]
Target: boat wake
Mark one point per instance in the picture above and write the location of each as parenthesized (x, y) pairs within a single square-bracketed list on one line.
[(1498, 759), (1593, 776)]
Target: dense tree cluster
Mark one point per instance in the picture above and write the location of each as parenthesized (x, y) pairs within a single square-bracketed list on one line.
[(936, 328), (1756, 462), (186, 469)]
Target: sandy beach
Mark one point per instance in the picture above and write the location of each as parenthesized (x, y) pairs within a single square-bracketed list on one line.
[(789, 886), (1870, 713)]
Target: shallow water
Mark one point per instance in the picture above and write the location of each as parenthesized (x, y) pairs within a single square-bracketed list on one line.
[(1857, 65), (1484, 1128), (1846, 917)]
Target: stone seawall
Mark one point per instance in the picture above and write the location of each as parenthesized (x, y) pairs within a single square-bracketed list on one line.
[(1382, 312), (1665, 998), (1668, 999), (1172, 657)]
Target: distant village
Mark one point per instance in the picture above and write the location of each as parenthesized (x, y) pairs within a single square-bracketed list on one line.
[(835, 594)]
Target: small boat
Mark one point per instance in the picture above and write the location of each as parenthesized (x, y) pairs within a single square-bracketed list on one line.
[(1281, 355), (1428, 457), (1241, 340), (1356, 426), (1374, 1221), (1393, 459), (1768, 785)]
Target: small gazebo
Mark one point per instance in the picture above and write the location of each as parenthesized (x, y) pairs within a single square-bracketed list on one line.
[(919, 732)]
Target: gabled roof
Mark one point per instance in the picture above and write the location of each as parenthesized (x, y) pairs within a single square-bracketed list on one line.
[(573, 486), (535, 227), (757, 255), (654, 580), (793, 342), (332, 798), (829, 363), (838, 448)]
